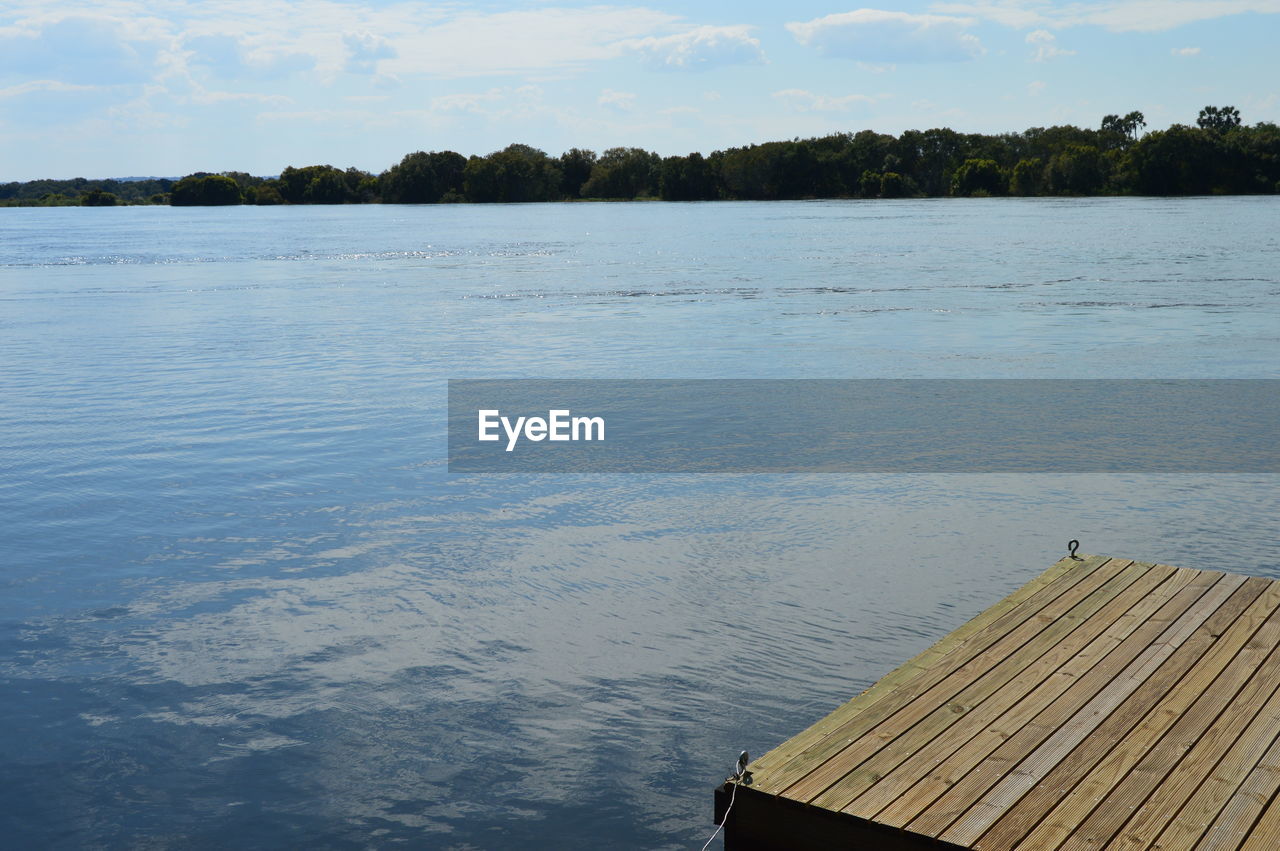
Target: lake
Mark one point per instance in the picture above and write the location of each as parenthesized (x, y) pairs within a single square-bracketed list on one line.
[(245, 604)]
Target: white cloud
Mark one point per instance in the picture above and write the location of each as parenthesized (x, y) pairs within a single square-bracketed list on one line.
[(497, 104), (336, 117), (623, 101), (1046, 45), (34, 86), (1035, 87), (875, 35), (1011, 13), (303, 34), (803, 101), (475, 44), (207, 98), (137, 115), (364, 49), (227, 57), (1157, 15), (87, 49), (124, 41), (219, 52), (1185, 51), (700, 49), (1116, 15), (466, 102)]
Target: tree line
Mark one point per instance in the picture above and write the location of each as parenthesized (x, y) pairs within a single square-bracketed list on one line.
[(1219, 155), (79, 192)]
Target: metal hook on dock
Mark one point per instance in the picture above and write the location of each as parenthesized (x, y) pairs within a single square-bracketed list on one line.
[(1072, 546)]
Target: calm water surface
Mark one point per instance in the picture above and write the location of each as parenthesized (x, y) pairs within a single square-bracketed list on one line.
[(242, 604)]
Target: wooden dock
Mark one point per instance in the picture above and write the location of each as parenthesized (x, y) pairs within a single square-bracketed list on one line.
[(1106, 704)]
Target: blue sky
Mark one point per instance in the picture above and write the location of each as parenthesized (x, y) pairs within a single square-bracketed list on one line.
[(167, 87)]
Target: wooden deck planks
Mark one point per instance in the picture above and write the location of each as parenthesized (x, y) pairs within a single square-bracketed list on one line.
[(1265, 835), (951, 652), (984, 729), (1212, 721), (1070, 791), (938, 685), (1106, 704), (1246, 804), (1197, 814), (1258, 703), (1016, 734), (1014, 784), (942, 705)]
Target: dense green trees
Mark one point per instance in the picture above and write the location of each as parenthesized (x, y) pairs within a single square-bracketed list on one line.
[(206, 190), (688, 178), (1219, 155), (79, 191), (576, 165), (894, 185), (516, 173), (978, 177), (1116, 132), (1075, 170), (624, 173), (98, 198), (1218, 119), (323, 184), (422, 178), (1195, 161), (265, 195), (1026, 177)]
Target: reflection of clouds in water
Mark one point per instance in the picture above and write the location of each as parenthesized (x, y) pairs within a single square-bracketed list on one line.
[(508, 604), (519, 661), (328, 629), (258, 744), (544, 590)]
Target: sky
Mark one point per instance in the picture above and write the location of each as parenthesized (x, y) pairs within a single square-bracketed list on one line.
[(167, 87)]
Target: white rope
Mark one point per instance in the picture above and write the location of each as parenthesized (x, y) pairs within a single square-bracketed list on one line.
[(725, 820)]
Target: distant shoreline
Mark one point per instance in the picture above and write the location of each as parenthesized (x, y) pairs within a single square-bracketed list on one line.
[(1217, 156)]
